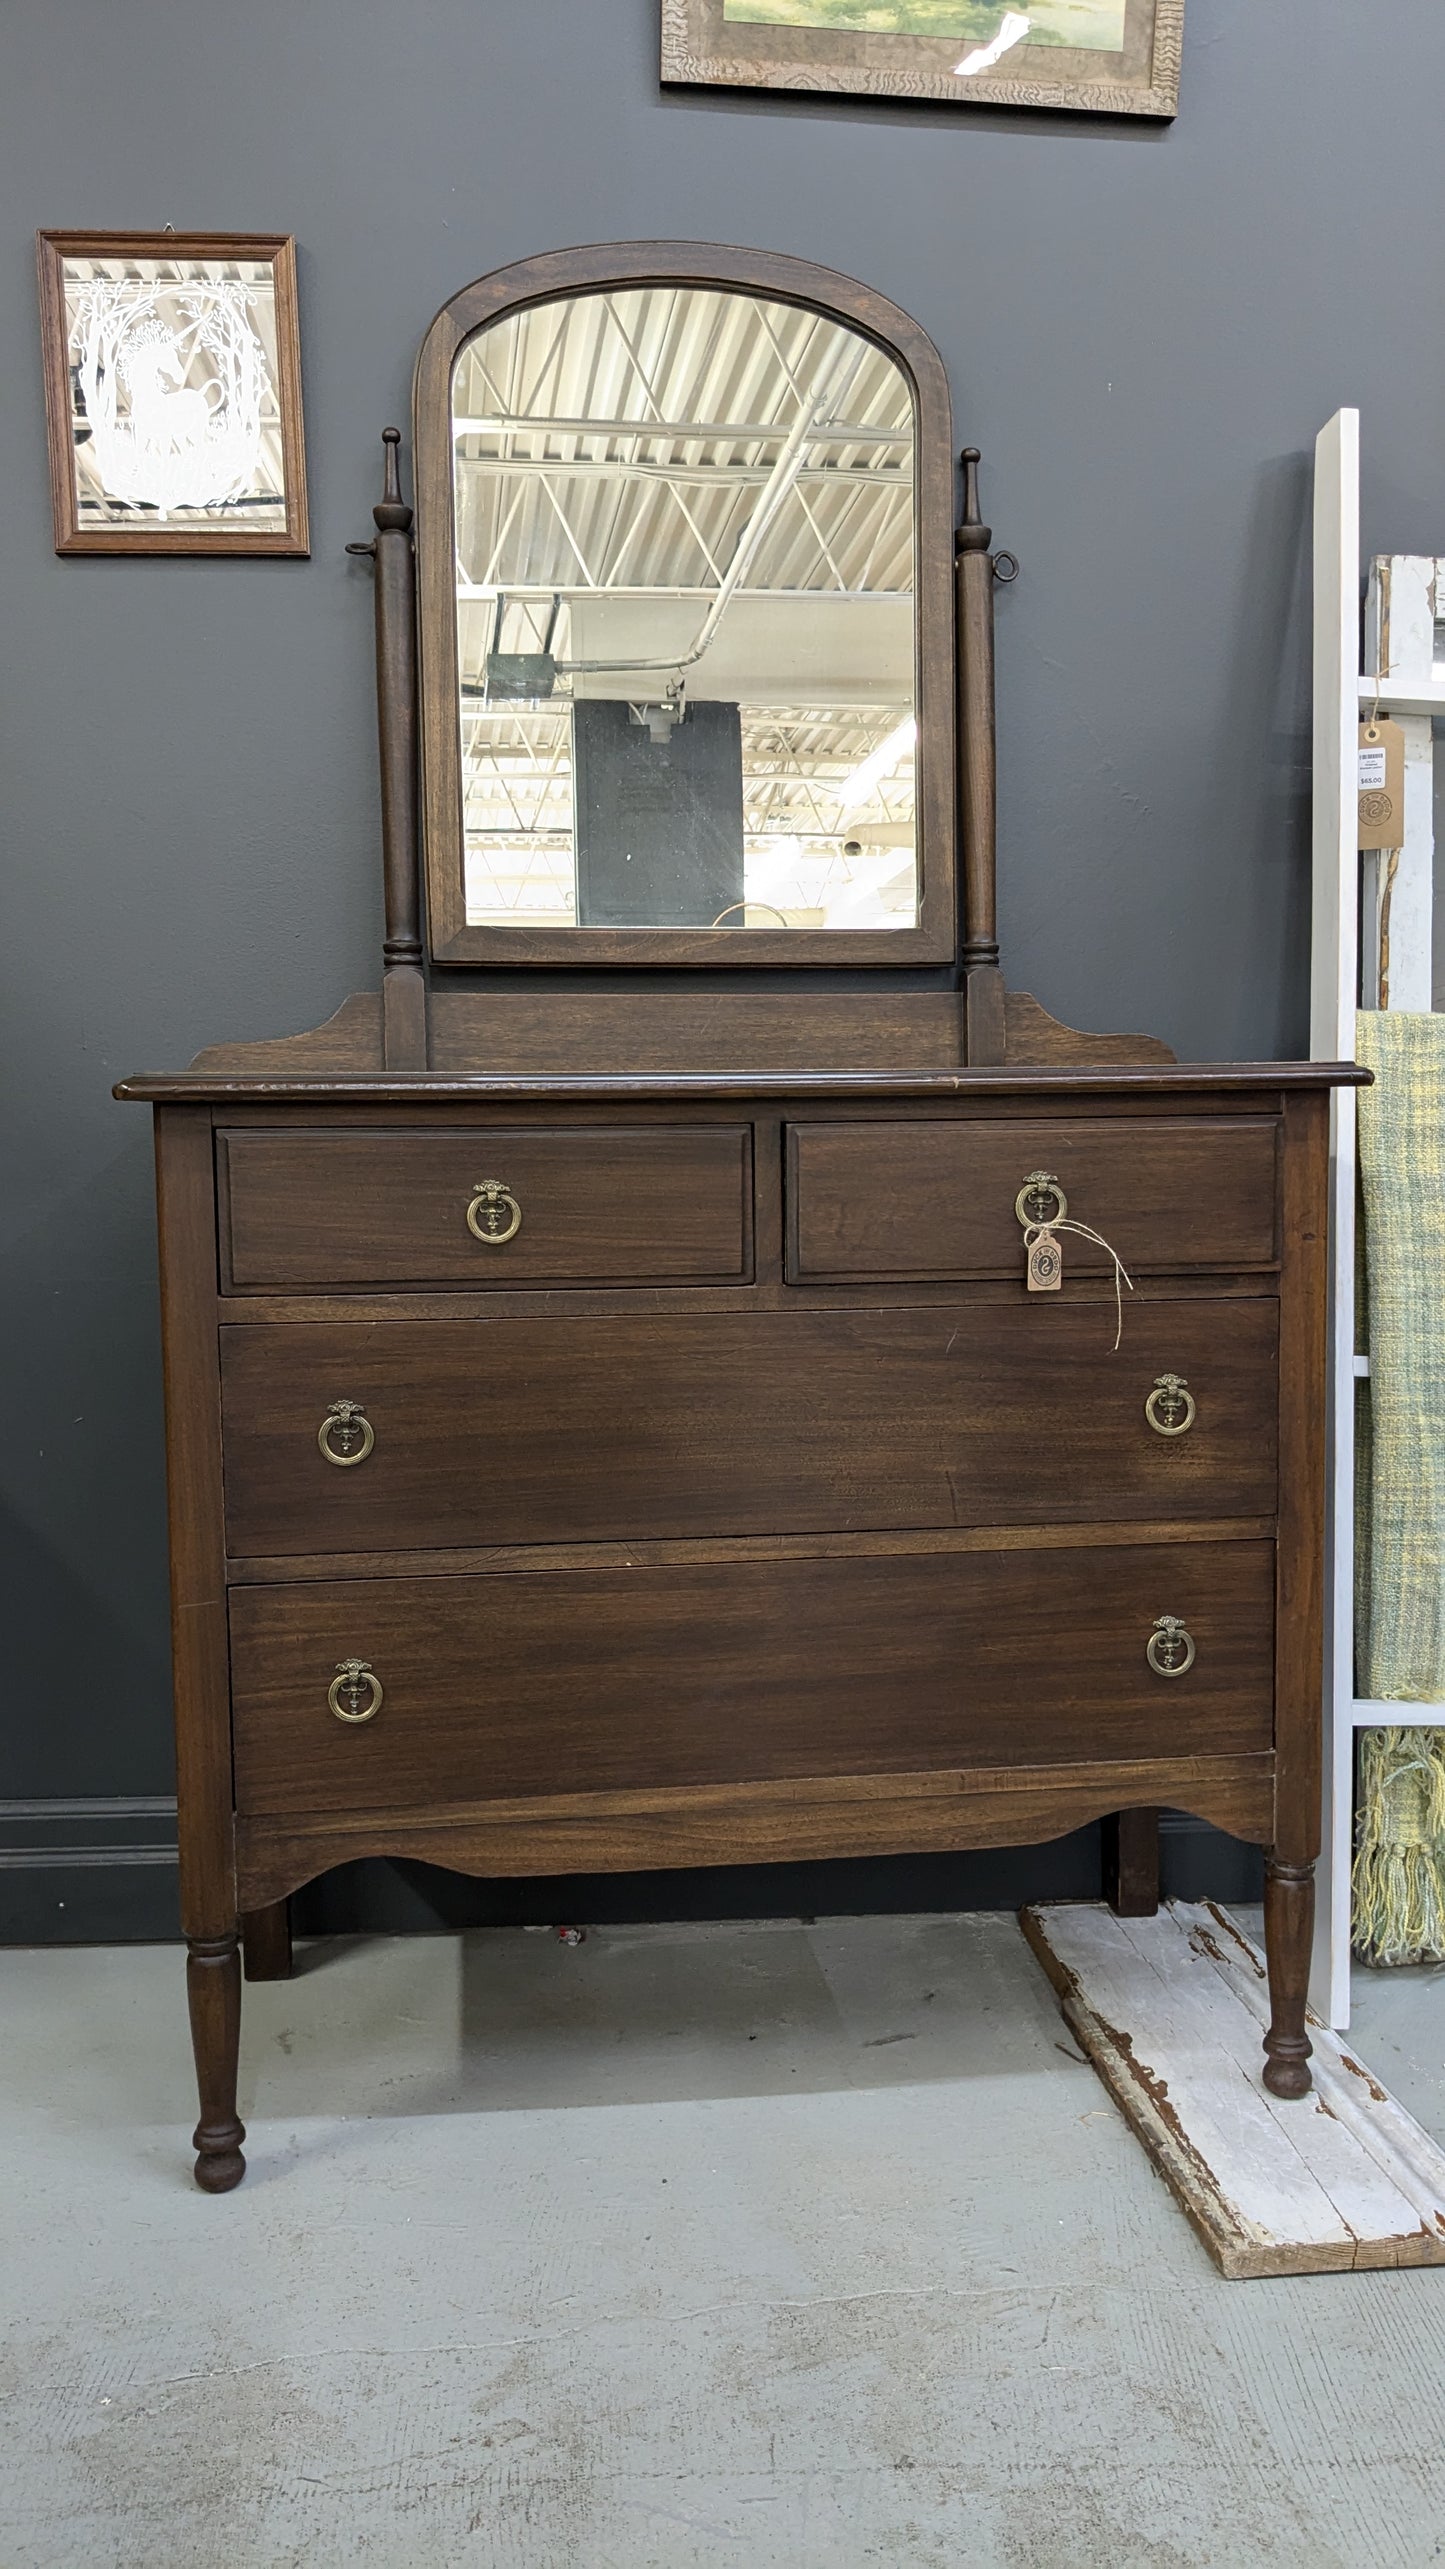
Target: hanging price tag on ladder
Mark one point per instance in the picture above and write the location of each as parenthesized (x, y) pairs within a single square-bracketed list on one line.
[(1382, 784)]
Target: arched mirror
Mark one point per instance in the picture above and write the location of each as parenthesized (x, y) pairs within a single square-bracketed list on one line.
[(683, 536)]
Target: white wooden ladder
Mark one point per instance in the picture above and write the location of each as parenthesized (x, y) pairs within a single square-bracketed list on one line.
[(1356, 964)]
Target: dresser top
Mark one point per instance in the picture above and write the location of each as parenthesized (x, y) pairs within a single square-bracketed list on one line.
[(409, 1088), (561, 1046)]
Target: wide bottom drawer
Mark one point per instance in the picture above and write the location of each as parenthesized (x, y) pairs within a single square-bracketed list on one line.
[(370, 1694)]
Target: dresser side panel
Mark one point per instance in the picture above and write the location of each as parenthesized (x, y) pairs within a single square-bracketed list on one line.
[(186, 1212), (1299, 1620)]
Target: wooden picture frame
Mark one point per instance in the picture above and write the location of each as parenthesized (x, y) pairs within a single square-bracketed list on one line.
[(983, 56), (172, 365)]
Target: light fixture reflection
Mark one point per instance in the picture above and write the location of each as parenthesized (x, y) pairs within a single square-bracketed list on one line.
[(856, 788)]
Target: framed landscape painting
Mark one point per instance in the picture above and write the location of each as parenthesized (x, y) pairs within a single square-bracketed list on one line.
[(1098, 57)]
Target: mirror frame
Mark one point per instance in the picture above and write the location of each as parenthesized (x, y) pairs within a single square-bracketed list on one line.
[(549, 278)]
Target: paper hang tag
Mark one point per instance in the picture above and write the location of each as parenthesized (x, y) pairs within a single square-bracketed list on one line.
[(1382, 784), (1046, 1264)]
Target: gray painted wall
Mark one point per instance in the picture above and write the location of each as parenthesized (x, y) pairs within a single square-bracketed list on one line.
[(1144, 330)]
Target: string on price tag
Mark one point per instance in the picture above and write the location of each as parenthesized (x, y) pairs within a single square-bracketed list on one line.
[(1046, 1261)]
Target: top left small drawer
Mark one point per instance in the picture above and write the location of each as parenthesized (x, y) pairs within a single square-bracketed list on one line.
[(341, 1208)]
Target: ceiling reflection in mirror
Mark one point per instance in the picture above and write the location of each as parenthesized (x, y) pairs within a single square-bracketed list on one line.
[(685, 575)]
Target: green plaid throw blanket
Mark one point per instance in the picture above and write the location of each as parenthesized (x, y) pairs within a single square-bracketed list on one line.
[(1399, 1875)]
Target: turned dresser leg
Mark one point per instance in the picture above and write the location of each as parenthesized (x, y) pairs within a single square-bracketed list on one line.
[(266, 1941), (213, 1994), (1289, 1918)]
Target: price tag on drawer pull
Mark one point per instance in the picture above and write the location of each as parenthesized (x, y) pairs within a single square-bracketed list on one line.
[(1043, 1255), (1046, 1263)]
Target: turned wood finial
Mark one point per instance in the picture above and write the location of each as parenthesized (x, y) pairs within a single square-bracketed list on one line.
[(973, 535), (391, 509)]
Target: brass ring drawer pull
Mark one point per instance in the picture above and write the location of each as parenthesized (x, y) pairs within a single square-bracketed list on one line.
[(353, 1679), (494, 1216), (346, 1425), (1169, 1648), (1031, 1203), (1170, 1407)]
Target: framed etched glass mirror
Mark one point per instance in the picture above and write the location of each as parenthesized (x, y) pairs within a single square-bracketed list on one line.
[(685, 617)]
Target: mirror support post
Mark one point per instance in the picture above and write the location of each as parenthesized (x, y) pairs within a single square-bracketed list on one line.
[(979, 974), (404, 1008)]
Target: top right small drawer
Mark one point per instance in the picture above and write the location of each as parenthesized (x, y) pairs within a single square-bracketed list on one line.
[(912, 1199)]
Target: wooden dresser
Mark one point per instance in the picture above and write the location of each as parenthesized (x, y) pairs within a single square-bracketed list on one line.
[(621, 1435)]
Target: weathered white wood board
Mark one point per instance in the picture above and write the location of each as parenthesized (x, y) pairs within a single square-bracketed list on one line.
[(1171, 2011)]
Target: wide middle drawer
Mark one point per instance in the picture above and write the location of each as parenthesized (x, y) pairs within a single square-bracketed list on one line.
[(418, 1434)]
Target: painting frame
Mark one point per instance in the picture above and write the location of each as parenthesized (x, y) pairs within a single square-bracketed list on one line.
[(78, 533), (704, 44)]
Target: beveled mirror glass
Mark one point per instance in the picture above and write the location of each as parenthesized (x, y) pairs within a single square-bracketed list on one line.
[(684, 538)]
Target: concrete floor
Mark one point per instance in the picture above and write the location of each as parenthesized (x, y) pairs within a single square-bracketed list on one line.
[(771, 2247)]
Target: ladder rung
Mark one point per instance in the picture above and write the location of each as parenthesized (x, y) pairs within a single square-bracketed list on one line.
[(1382, 1716)]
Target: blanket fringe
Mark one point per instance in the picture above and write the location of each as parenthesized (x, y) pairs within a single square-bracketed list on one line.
[(1398, 1882)]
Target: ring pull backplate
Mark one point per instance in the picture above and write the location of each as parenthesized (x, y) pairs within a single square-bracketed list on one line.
[(1170, 1407), (346, 1434), (494, 1216), (1169, 1648), (355, 1679)]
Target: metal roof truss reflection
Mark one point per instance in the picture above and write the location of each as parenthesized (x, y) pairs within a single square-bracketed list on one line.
[(679, 447)]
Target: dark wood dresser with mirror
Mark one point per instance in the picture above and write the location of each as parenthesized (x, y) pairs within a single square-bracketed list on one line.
[(724, 1417)]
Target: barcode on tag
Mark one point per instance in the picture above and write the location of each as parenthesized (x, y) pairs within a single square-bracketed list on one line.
[(1372, 770)]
